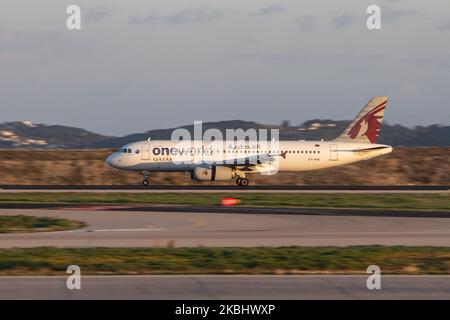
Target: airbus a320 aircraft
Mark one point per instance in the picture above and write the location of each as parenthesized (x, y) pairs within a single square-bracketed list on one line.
[(226, 160)]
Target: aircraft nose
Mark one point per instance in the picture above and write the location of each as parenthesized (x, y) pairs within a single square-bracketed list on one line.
[(109, 160), (112, 161)]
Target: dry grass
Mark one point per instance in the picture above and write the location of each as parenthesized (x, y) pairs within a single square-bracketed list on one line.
[(405, 166)]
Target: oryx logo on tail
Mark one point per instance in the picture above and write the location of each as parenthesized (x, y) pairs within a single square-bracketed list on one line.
[(367, 124), (370, 124)]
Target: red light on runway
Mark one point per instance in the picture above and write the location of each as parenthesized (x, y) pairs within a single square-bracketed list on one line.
[(230, 201)]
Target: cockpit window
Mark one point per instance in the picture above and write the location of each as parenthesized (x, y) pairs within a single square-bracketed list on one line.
[(127, 150), (137, 151)]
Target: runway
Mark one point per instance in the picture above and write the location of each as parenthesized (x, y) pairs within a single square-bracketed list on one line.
[(226, 287), (123, 227), (224, 188)]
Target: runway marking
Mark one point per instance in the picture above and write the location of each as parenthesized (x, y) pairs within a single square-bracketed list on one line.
[(198, 222), (125, 230), (378, 233), (104, 230), (94, 208)]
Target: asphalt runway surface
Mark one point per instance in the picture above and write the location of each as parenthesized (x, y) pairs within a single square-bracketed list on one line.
[(226, 287), (125, 226), (226, 188)]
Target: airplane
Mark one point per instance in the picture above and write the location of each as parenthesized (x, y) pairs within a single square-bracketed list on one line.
[(226, 160)]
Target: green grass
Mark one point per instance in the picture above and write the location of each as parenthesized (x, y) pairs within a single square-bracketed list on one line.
[(23, 224), (374, 201), (263, 260)]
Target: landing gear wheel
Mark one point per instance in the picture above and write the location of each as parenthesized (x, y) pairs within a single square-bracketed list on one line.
[(145, 183), (238, 181), (244, 182)]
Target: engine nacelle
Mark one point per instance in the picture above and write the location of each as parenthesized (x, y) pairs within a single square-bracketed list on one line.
[(212, 173)]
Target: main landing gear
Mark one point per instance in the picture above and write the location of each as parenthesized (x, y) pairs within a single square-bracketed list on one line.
[(145, 181), (243, 182)]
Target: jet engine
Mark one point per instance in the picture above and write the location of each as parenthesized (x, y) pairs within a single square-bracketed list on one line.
[(212, 173)]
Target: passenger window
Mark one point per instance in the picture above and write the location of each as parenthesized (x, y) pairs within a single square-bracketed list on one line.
[(137, 151), (129, 150)]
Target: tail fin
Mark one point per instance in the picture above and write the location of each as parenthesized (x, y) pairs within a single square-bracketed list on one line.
[(366, 126)]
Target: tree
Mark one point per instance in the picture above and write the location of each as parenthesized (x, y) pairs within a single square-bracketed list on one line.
[(285, 123)]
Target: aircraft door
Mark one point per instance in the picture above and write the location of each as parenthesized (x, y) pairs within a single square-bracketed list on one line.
[(146, 151), (333, 152)]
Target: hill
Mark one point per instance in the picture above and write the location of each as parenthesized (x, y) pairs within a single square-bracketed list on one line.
[(26, 134), (317, 129), (29, 135)]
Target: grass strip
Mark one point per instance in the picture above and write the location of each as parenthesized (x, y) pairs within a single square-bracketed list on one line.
[(24, 224), (373, 201), (261, 260)]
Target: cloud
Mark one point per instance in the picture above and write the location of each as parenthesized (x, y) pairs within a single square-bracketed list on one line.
[(148, 19), (187, 15), (265, 11), (344, 20), (444, 26), (306, 23), (97, 13), (389, 14)]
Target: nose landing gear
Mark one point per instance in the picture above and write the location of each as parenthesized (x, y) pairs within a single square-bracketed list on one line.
[(145, 182)]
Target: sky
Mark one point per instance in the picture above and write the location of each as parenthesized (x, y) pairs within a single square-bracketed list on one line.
[(141, 65)]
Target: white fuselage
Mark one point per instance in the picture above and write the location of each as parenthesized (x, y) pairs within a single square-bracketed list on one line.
[(170, 156), (238, 155)]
